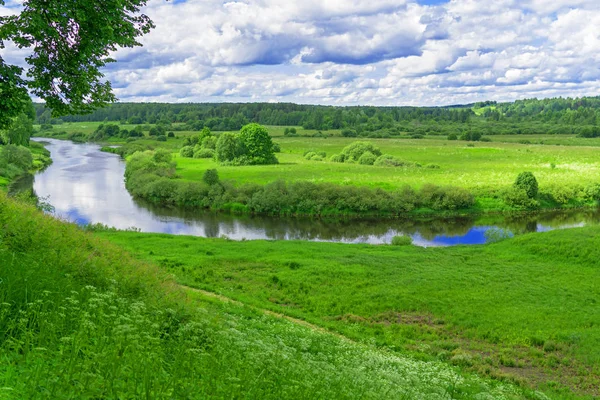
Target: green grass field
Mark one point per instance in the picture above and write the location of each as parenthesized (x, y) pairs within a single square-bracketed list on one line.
[(81, 318), (482, 168), (524, 309)]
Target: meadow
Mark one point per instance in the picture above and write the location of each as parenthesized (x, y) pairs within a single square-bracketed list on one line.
[(82, 318), (481, 167), (523, 310)]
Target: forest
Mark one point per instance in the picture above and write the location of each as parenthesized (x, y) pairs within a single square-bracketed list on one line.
[(580, 116)]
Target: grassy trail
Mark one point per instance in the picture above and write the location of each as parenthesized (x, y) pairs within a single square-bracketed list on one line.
[(297, 321)]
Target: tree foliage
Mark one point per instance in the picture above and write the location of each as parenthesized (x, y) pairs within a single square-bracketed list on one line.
[(70, 41), (526, 181)]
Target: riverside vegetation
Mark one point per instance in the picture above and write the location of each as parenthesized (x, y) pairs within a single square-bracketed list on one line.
[(81, 318)]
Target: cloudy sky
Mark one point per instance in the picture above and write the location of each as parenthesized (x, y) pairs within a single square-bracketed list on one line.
[(381, 52)]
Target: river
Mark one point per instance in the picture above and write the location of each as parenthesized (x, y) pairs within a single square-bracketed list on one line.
[(85, 186)]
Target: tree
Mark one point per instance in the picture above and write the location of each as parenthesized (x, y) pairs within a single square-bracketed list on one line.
[(526, 182), (257, 144), (228, 147), (20, 130), (70, 42)]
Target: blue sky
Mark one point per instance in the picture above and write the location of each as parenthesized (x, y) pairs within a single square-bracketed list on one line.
[(345, 52)]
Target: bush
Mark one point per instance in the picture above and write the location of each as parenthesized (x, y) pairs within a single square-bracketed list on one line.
[(211, 177), (349, 133), (367, 158), (209, 142), (228, 147), (356, 149), (446, 197), (204, 153), (452, 136), (316, 157), (401, 241), (517, 197), (309, 155), (18, 156), (171, 134), (276, 148), (337, 158), (387, 160), (527, 182), (186, 151), (161, 138)]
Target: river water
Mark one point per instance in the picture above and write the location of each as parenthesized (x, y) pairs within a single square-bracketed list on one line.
[(85, 185)]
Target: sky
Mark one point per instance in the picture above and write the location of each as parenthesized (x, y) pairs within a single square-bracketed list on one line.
[(349, 52)]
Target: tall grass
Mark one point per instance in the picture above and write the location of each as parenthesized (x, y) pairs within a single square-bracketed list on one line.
[(80, 318)]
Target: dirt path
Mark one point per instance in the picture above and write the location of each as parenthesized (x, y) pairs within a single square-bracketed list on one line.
[(297, 321)]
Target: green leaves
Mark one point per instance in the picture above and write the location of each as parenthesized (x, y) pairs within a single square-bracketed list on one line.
[(71, 42)]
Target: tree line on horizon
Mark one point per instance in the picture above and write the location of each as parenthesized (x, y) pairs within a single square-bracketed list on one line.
[(580, 116)]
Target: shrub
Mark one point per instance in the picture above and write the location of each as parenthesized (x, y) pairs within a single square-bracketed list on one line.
[(367, 158), (161, 138), (228, 147), (527, 182), (171, 134), (517, 197), (349, 133), (356, 149), (276, 148), (211, 177), (186, 151), (309, 155), (316, 157), (387, 160), (204, 153), (446, 197), (209, 142), (562, 194), (401, 241), (452, 136), (162, 156), (337, 158), (18, 156), (322, 154)]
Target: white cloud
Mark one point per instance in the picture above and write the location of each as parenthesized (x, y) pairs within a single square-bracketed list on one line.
[(360, 51)]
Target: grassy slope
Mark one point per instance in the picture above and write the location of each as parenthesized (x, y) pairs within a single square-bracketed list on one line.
[(525, 307), (80, 318)]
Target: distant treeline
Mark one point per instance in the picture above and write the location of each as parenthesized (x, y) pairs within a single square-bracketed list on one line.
[(554, 116)]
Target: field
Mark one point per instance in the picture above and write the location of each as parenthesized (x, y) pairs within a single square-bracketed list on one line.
[(81, 318), (482, 167), (523, 309)]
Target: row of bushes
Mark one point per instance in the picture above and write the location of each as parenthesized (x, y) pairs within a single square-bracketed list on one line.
[(366, 153), (151, 175)]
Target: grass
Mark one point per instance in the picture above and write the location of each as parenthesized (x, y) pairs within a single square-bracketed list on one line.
[(523, 309), (482, 168), (81, 318)]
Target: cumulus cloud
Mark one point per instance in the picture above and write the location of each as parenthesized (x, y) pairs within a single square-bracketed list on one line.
[(392, 52)]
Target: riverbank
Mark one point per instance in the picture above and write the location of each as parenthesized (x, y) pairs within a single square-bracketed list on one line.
[(83, 318), (155, 176), (520, 310), (18, 161)]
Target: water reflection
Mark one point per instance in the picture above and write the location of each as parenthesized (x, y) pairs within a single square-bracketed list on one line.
[(86, 186)]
